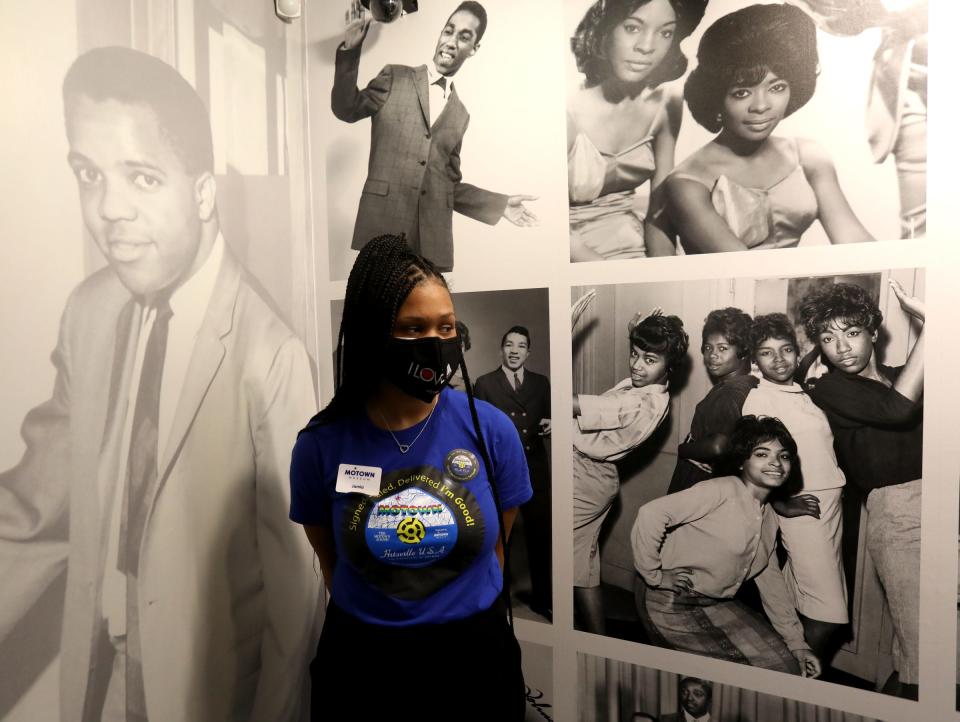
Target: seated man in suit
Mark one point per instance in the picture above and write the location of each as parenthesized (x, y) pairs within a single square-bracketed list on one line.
[(524, 396), (695, 697), (156, 475), (418, 123)]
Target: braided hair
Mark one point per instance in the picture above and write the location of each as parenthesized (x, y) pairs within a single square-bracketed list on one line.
[(384, 273)]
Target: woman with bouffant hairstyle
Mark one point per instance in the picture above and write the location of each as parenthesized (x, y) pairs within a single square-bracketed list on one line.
[(623, 122), (748, 188)]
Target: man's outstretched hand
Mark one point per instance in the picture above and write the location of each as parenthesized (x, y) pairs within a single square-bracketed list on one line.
[(517, 213)]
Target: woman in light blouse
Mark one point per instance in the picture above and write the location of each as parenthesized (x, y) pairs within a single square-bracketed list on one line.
[(694, 549)]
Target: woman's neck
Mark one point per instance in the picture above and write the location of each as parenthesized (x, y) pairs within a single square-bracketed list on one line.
[(390, 408), (615, 91), (740, 146), (757, 492)]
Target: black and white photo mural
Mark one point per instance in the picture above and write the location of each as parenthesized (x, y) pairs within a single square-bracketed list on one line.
[(698, 127), (150, 570), (433, 130), (750, 491)]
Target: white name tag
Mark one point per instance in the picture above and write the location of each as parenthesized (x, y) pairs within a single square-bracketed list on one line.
[(356, 479)]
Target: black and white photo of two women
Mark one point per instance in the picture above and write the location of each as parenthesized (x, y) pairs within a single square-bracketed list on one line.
[(702, 127), (747, 471)]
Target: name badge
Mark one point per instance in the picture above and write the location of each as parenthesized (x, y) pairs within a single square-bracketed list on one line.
[(356, 479)]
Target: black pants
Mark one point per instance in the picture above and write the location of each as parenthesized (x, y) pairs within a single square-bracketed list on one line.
[(463, 670)]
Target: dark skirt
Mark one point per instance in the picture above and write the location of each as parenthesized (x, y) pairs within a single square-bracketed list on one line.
[(468, 669)]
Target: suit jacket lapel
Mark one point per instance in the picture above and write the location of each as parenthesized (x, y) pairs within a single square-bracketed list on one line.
[(205, 360), (422, 93)]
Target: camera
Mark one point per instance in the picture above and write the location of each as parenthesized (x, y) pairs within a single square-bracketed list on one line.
[(386, 11)]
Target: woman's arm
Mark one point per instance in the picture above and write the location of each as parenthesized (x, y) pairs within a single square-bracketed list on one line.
[(910, 382), (701, 228), (708, 449), (659, 238), (321, 539), (665, 137), (650, 530), (836, 216), (779, 607), (509, 516)]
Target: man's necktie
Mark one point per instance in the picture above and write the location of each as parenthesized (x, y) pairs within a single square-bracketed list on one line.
[(142, 460), (141, 480), (441, 82), (516, 381)]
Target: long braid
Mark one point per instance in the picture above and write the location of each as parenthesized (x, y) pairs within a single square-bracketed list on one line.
[(485, 455)]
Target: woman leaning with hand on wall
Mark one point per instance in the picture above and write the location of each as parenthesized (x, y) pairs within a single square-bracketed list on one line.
[(622, 124), (747, 188), (407, 493)]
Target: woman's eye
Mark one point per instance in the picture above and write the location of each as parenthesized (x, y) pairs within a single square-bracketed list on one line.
[(853, 334), (739, 93), (145, 182), (779, 86), (631, 28), (667, 34)]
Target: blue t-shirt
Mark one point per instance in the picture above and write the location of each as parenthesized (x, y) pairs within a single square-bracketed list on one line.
[(422, 551)]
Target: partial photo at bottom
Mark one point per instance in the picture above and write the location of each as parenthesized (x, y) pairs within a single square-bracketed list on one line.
[(614, 691)]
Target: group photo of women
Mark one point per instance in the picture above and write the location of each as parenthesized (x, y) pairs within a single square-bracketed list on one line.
[(750, 490), (698, 126)]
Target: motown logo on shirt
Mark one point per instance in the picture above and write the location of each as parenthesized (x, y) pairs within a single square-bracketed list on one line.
[(411, 528), (419, 533)]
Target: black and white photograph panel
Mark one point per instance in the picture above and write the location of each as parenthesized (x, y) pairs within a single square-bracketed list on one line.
[(155, 375), (697, 127), (538, 678), (435, 129), (505, 339), (614, 691), (747, 471)]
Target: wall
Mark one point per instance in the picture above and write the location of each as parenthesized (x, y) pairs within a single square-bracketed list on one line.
[(289, 175)]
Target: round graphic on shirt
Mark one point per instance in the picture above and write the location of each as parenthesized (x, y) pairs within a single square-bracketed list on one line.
[(411, 531), (461, 464), (411, 528), (422, 531)]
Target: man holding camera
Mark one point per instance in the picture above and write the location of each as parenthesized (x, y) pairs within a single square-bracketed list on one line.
[(418, 122)]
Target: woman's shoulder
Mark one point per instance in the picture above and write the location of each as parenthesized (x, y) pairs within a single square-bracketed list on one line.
[(810, 154), (699, 167), (458, 403), (582, 104)]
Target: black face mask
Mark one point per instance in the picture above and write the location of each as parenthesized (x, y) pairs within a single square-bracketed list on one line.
[(421, 367)]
